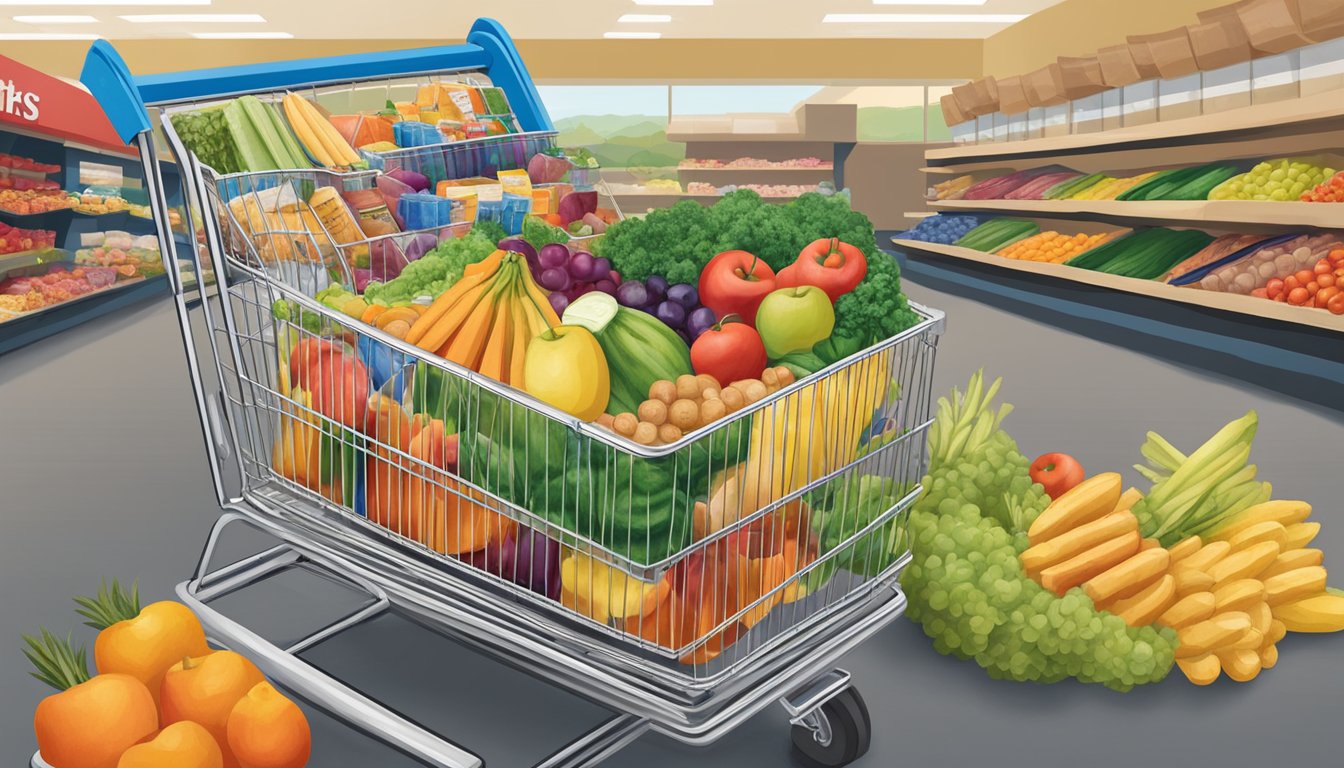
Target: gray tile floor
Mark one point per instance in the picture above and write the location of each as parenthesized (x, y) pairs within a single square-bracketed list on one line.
[(102, 474)]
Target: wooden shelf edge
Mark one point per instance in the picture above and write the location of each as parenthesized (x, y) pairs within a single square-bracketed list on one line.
[(1274, 115), (1257, 212), (681, 169), (1226, 302)]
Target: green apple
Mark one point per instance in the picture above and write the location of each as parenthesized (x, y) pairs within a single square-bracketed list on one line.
[(794, 320), (565, 367)]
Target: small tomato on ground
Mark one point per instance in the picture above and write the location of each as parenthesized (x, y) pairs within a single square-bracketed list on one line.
[(1058, 472)]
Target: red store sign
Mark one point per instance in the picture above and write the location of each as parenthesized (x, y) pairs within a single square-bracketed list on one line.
[(39, 103)]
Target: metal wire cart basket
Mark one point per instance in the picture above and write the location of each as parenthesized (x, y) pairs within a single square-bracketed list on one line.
[(684, 586)]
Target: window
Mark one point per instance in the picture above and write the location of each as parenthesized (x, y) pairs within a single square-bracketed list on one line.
[(937, 126), (624, 126)]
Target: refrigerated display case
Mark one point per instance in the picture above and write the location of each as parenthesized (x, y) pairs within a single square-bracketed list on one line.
[(591, 600), (76, 242)]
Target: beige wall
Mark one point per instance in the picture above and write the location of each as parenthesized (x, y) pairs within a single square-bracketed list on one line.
[(1080, 27), (733, 60)]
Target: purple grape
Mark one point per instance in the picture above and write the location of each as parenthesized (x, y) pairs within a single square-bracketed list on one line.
[(606, 286), (671, 313), (558, 302), (657, 286), (632, 293), (601, 269), (685, 295), (686, 337), (553, 255), (699, 321), (577, 290), (613, 276), (581, 265), (554, 279)]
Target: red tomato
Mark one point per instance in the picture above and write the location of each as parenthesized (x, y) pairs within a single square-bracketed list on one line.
[(338, 381), (1290, 282), (1326, 279), (1274, 287), (735, 283), (729, 352), (1058, 472), (1260, 293), (1298, 296), (1336, 304), (1323, 297), (1304, 276), (1322, 267)]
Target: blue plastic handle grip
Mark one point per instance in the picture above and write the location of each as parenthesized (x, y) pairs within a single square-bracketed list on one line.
[(488, 47)]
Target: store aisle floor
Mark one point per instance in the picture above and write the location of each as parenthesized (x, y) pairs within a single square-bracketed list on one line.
[(118, 487)]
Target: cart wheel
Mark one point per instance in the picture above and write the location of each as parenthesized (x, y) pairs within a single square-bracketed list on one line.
[(837, 734)]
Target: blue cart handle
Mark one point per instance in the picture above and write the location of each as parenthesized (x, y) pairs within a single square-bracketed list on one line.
[(489, 47)]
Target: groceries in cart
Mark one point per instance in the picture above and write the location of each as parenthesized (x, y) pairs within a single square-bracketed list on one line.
[(159, 695), (670, 461)]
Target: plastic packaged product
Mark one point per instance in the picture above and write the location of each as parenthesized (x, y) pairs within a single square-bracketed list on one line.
[(1219, 249), (392, 189), (416, 134), (494, 100), (452, 130), (371, 211), (513, 210), (421, 210)]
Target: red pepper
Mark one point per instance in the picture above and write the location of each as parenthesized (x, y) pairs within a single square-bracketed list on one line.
[(829, 264)]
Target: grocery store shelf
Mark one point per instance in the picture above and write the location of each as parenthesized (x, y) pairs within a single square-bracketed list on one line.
[(1240, 212), (1225, 302), (1275, 118), (28, 327), (725, 169), (29, 258), (666, 200), (716, 136)]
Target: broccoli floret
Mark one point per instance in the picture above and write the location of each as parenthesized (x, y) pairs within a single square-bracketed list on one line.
[(875, 310), (491, 230)]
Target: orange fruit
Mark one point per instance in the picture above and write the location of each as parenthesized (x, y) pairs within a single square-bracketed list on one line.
[(180, 745), (146, 646), (204, 689), (89, 725), (267, 730)]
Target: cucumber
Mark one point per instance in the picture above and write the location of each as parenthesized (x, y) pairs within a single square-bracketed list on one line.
[(264, 130), (252, 152)]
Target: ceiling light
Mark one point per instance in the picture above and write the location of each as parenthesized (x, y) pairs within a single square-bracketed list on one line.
[(674, 2), (644, 18), (104, 2), (633, 35), (48, 36), (195, 18), (71, 19), (922, 18), (242, 35), (929, 2)]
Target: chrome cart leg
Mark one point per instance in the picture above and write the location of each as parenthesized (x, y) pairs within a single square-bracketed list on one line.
[(305, 680), (831, 726)]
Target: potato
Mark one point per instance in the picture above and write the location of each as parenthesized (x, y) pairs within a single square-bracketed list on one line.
[(646, 433), (688, 388), (732, 398), (711, 411), (707, 382), (664, 390), (625, 424), (669, 434), (684, 414), (653, 411), (784, 376), (769, 377)]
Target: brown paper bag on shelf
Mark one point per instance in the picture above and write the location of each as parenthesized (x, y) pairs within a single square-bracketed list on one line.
[(1045, 86), (1012, 96), (965, 96), (986, 95), (1273, 26), (1143, 57), (1219, 43), (1117, 66), (1081, 76), (952, 114), (1172, 53), (1322, 19)]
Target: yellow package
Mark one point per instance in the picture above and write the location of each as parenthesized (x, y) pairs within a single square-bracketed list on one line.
[(468, 196), (515, 183)]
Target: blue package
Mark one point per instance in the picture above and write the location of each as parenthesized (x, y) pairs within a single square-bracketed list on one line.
[(423, 210), (514, 209)]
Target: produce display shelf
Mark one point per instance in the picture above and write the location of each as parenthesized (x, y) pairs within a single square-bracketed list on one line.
[(693, 136), (30, 258), (798, 170), (24, 328), (1234, 212), (664, 200), (1282, 118), (1225, 302)]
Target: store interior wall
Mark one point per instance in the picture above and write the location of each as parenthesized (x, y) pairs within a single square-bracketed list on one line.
[(571, 60), (1080, 27)]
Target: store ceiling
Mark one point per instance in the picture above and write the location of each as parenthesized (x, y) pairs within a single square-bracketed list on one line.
[(525, 19)]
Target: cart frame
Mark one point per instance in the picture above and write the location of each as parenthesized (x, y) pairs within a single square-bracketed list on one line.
[(795, 669)]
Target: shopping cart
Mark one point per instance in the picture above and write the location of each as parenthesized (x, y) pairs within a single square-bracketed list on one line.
[(684, 586)]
